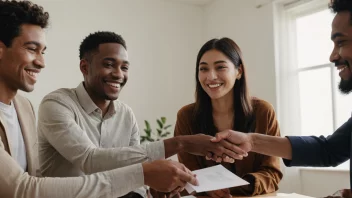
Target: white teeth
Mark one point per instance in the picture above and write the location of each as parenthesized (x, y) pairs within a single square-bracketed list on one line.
[(341, 68), (33, 74), (214, 85), (116, 85)]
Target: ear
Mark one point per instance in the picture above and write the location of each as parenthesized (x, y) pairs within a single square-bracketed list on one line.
[(239, 72), (83, 65)]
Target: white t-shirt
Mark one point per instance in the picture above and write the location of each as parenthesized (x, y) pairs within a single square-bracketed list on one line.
[(14, 135)]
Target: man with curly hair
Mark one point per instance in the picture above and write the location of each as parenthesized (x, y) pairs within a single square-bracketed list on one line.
[(22, 45), (311, 150)]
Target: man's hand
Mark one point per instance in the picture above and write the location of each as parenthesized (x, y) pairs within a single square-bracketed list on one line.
[(167, 176), (223, 193), (242, 142), (220, 148)]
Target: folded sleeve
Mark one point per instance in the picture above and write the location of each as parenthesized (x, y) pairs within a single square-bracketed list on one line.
[(321, 151)]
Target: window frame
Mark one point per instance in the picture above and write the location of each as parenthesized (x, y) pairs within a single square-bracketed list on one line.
[(287, 78)]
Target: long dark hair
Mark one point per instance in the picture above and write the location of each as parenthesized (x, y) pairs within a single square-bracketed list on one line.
[(203, 117)]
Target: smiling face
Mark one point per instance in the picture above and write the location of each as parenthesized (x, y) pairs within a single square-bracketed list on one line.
[(107, 71), (341, 55), (21, 62), (217, 74)]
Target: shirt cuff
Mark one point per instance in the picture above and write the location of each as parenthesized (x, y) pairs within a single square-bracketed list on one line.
[(126, 179), (155, 150), (297, 150)]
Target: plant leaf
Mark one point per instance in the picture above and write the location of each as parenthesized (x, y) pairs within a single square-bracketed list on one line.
[(143, 139), (163, 120), (147, 131), (147, 125), (165, 134), (159, 131), (159, 123), (168, 126), (150, 139)]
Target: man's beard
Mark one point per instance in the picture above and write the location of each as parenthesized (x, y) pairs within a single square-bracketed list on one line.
[(345, 86)]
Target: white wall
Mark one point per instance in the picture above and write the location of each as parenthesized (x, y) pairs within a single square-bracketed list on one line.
[(162, 40), (321, 182), (252, 29)]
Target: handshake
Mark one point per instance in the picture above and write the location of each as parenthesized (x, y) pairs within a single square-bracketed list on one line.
[(170, 176)]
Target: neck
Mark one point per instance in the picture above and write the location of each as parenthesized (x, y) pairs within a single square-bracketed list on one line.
[(223, 105), (102, 104), (7, 93)]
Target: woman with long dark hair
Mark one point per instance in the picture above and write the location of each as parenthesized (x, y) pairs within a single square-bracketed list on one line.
[(223, 102)]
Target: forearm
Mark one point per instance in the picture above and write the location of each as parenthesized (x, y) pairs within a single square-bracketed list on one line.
[(271, 146), (102, 159), (186, 143), (174, 145), (74, 145), (91, 159)]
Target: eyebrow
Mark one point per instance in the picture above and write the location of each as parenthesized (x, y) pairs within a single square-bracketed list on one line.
[(114, 60), (338, 34), (220, 61), (34, 43), (216, 62)]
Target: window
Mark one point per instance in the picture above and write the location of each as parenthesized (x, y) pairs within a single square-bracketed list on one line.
[(310, 102), (314, 71)]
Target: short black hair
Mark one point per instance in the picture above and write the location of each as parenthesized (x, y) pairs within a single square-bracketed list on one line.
[(13, 14), (340, 6), (92, 41)]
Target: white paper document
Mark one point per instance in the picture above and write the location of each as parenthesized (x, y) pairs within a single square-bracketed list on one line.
[(215, 178)]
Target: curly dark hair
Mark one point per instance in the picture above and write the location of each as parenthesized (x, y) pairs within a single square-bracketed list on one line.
[(92, 41), (13, 14), (340, 6)]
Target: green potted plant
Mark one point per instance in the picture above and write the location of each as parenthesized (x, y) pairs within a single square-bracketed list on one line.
[(161, 131)]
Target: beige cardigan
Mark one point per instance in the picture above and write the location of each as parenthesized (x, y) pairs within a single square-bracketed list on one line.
[(26, 118)]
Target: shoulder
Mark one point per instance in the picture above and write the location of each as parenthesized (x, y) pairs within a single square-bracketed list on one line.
[(23, 104), (23, 100), (186, 111), (262, 107), (61, 98), (61, 95)]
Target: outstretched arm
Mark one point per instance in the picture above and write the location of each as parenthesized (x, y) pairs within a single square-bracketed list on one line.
[(300, 150), (163, 175)]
